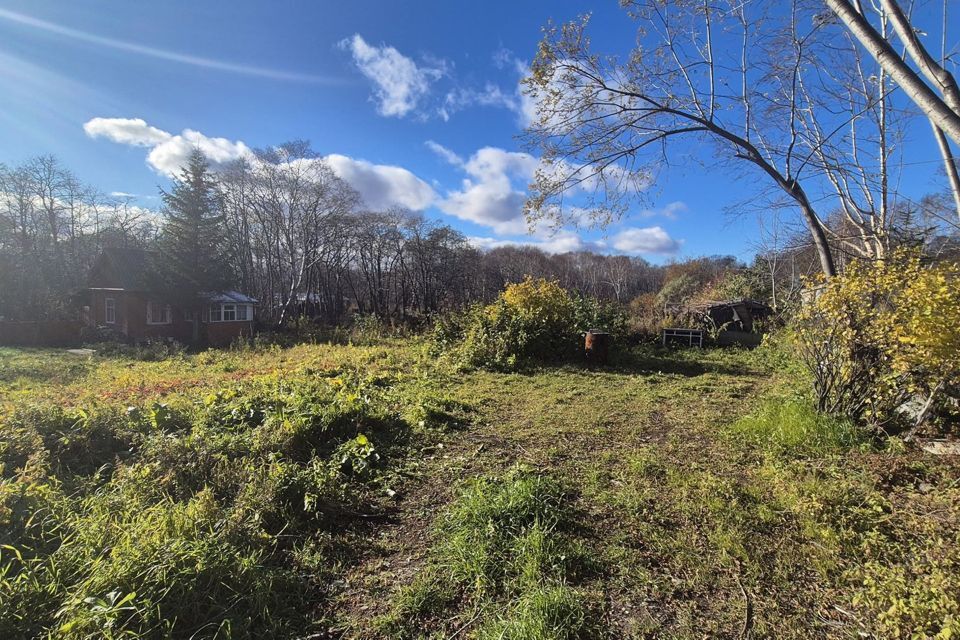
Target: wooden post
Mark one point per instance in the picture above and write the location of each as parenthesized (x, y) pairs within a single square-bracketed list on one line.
[(597, 346)]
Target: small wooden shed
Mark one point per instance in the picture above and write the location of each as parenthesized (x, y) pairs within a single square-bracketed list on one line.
[(731, 315)]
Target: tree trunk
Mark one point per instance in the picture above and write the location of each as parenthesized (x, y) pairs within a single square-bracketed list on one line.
[(932, 105)]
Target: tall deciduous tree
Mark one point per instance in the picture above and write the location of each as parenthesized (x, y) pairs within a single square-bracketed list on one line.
[(193, 246), (702, 72), (930, 86)]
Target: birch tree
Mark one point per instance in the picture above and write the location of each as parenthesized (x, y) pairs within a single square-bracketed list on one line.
[(606, 125), (931, 86)]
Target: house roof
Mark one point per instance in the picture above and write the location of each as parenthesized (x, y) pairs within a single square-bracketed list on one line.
[(131, 269), (125, 268), (228, 296)]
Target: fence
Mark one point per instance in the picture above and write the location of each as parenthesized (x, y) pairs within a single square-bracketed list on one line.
[(41, 333)]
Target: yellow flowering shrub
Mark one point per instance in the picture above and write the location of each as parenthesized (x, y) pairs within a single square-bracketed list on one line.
[(883, 337)]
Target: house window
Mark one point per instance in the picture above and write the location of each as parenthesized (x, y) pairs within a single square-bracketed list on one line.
[(188, 316), (110, 311), (230, 312), (158, 313)]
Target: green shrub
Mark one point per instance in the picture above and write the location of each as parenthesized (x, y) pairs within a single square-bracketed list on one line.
[(531, 321), (881, 340)]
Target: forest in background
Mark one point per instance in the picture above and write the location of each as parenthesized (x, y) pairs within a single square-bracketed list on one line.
[(298, 238)]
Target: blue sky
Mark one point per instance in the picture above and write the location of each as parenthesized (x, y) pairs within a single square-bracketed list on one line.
[(416, 104)]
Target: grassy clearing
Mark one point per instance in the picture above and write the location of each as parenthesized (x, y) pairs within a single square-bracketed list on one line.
[(363, 492)]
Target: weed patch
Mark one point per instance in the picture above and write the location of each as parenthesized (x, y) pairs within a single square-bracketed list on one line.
[(504, 551)]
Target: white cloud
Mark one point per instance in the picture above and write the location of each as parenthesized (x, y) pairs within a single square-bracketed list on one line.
[(380, 186), (168, 152), (488, 196), (399, 82), (170, 156), (133, 131), (494, 192), (383, 186), (492, 95), (560, 242), (446, 154), (671, 211), (637, 240)]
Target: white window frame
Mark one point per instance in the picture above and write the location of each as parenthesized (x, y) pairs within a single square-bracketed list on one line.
[(110, 310), (153, 307), (218, 311)]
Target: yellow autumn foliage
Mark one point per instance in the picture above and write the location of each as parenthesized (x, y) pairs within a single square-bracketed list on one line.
[(882, 334)]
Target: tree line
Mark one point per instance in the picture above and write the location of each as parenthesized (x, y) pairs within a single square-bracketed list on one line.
[(280, 226)]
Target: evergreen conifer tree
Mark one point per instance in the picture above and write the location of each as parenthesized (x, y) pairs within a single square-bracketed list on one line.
[(193, 244)]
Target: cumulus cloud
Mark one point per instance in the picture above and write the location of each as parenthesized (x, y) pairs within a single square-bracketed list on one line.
[(563, 241), (133, 131), (488, 195), (380, 186), (168, 157), (168, 152), (383, 186), (399, 83), (645, 240)]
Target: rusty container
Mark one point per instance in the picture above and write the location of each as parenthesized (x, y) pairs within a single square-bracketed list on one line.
[(597, 346)]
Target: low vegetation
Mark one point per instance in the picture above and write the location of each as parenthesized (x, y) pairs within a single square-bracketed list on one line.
[(882, 342), (377, 491), (531, 321)]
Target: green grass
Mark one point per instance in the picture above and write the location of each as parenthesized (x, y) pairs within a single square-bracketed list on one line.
[(504, 547), (373, 492), (791, 427)]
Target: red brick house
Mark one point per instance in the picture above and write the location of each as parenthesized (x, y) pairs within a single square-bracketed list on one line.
[(122, 298)]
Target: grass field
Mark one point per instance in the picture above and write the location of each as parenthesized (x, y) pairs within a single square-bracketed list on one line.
[(326, 491)]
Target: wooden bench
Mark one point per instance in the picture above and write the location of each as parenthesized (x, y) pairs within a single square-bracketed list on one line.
[(688, 337)]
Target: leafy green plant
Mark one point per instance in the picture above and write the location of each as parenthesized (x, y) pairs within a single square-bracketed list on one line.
[(531, 321)]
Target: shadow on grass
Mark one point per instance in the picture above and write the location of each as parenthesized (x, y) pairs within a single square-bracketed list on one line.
[(689, 363)]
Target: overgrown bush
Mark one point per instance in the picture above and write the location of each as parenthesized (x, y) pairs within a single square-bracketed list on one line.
[(882, 341), (531, 321), (208, 517)]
